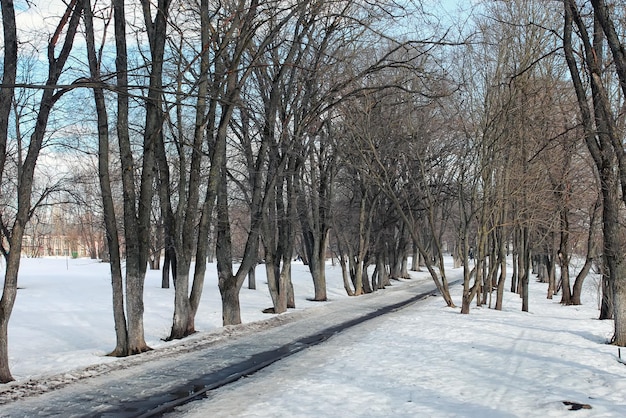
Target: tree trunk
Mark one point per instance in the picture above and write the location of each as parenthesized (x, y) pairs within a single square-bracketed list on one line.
[(291, 296), (578, 283), (9, 294), (552, 273), (347, 270), (5, 372), (135, 276), (283, 284), (229, 291), (181, 326), (614, 254), (110, 223), (469, 291), (318, 268), (365, 224), (275, 284), (345, 274), (502, 261), (9, 76), (525, 267), (605, 148), (415, 261), (589, 259), (619, 303), (14, 235), (229, 283), (204, 250), (563, 257), (169, 264), (313, 206), (606, 304), (381, 271), (252, 278), (367, 286), (515, 273), (315, 246)]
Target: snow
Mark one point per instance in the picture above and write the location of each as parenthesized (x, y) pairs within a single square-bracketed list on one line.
[(424, 360), (63, 317)]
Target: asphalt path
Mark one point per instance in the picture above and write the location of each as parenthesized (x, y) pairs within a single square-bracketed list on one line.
[(162, 382)]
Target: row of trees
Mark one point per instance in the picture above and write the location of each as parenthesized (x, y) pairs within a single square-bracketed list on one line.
[(359, 126)]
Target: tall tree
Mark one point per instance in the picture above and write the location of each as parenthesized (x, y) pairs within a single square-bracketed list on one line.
[(9, 75), (137, 207), (248, 21), (181, 209), (602, 14), (108, 206), (13, 230), (603, 144)]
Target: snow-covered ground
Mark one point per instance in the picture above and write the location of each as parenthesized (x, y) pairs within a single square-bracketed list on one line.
[(425, 360), (63, 316)]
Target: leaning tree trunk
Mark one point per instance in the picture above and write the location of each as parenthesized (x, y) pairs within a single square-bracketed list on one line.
[(345, 273), (589, 259), (203, 247), (9, 75), (68, 26)]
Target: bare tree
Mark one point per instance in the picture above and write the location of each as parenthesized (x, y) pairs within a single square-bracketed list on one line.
[(247, 20), (180, 210), (353, 212), (128, 291), (601, 139), (14, 231), (406, 159), (110, 223)]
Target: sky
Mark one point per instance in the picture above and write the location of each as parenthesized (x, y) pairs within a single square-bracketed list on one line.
[(424, 360)]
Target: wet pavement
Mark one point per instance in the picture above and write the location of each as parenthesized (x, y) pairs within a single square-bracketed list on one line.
[(155, 387)]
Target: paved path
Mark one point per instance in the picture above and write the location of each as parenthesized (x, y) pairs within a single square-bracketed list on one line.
[(153, 387)]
